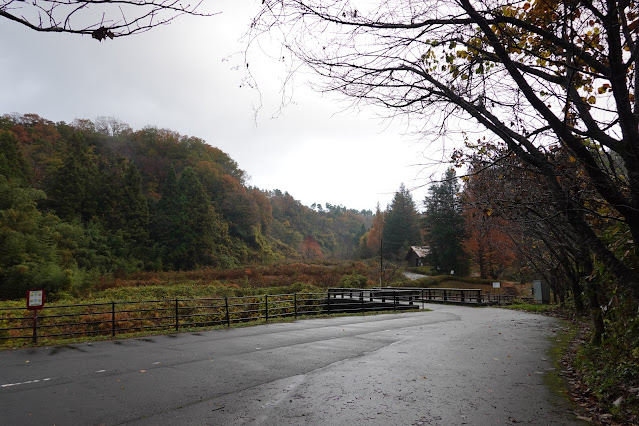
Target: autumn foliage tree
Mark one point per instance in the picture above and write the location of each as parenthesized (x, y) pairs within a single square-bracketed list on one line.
[(370, 242), (531, 74), (89, 198), (311, 248), (490, 248), (515, 197), (490, 237)]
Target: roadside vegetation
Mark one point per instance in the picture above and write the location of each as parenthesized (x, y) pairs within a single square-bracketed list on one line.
[(139, 303), (96, 211)]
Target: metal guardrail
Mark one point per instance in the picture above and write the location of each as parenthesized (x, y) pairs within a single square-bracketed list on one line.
[(412, 294), (112, 318), (462, 295)]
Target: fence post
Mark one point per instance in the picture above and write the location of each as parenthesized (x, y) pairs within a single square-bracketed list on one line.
[(361, 299), (423, 301), (328, 302), (35, 326), (113, 319), (266, 307), (226, 304), (463, 293), (177, 315), (295, 304), (394, 301)]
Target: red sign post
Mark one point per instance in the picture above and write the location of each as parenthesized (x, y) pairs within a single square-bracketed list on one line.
[(35, 302)]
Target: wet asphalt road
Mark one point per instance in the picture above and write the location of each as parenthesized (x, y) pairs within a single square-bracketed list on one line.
[(453, 366)]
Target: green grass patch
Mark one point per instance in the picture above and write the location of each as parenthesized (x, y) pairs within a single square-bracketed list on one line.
[(559, 342), (183, 290), (531, 307)]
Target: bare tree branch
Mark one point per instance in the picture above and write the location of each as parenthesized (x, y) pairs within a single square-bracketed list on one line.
[(100, 19)]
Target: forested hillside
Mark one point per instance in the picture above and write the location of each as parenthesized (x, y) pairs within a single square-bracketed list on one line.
[(89, 198)]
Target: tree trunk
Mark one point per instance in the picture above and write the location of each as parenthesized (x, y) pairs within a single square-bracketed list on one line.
[(595, 313), (577, 291)]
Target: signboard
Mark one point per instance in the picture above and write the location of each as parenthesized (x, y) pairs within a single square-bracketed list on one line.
[(35, 299), (496, 284)]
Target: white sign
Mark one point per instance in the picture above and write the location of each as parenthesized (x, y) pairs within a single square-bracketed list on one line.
[(35, 299), (496, 284)]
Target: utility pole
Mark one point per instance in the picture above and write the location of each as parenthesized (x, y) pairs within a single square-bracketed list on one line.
[(381, 260)]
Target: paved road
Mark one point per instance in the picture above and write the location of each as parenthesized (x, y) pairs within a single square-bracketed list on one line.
[(452, 366), (413, 276)]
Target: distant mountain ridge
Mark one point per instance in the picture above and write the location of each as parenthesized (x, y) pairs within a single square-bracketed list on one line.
[(95, 197)]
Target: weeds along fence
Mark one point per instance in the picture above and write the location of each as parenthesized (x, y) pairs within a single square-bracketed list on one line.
[(113, 318)]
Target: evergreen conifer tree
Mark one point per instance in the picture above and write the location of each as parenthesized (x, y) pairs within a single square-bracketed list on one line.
[(12, 164), (135, 208), (73, 188), (444, 226), (166, 221), (401, 227), (197, 221)]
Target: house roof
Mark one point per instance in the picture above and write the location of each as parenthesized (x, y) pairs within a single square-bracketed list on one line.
[(420, 251)]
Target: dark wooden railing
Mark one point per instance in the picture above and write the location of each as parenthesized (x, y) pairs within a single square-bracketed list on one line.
[(113, 318)]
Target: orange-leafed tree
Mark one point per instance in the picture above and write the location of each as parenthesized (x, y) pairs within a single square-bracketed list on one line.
[(489, 239), (372, 239), (311, 248)]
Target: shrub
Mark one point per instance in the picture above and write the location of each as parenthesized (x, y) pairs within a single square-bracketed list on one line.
[(353, 281)]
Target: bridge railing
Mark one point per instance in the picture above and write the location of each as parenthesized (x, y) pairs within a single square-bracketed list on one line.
[(412, 295), (118, 317), (114, 318), (460, 295), (452, 295)]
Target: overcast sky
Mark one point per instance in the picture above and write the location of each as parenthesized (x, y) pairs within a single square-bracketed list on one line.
[(185, 77)]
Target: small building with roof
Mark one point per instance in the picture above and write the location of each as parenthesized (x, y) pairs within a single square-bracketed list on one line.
[(416, 255)]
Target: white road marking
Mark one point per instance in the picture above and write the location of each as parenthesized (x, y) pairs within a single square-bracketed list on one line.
[(8, 385)]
